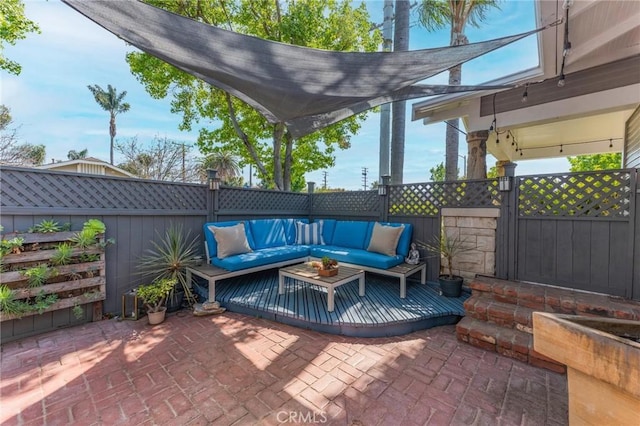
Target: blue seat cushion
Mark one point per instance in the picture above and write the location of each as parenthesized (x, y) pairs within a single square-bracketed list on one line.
[(261, 257), (356, 256)]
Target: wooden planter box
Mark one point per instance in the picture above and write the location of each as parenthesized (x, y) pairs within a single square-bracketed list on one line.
[(602, 356), (75, 284), (328, 272)]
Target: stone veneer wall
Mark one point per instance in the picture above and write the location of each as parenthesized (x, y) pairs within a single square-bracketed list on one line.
[(477, 228)]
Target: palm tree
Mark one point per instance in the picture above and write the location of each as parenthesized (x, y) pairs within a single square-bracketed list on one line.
[(436, 14), (77, 155), (398, 110), (224, 162), (111, 101)]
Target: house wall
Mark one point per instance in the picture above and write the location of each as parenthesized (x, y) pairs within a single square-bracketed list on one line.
[(631, 152)]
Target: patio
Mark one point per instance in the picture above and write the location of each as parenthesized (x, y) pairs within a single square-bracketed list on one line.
[(379, 313), (236, 369)]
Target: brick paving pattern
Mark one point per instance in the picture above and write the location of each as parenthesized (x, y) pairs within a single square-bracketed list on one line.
[(233, 369)]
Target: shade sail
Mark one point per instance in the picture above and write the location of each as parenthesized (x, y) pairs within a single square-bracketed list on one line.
[(307, 89)]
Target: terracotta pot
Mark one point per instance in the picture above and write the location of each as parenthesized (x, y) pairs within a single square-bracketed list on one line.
[(327, 272), (157, 317)]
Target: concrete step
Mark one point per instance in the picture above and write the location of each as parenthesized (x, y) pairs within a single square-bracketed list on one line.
[(509, 342)]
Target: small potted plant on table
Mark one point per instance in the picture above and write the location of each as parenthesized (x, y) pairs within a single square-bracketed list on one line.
[(327, 267), (154, 297)]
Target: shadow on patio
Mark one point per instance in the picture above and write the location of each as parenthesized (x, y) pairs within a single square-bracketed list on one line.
[(235, 368)]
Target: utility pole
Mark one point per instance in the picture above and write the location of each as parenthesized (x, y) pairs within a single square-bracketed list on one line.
[(324, 180), (184, 170), (364, 177)]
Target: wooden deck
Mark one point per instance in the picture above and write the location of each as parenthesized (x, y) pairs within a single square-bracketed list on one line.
[(381, 312)]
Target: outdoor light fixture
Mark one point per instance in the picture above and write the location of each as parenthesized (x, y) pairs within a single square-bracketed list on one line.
[(504, 183), (311, 187), (212, 177), (130, 305), (382, 187)]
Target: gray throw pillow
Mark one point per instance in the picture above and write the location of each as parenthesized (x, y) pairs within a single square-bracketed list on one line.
[(230, 240), (384, 239)]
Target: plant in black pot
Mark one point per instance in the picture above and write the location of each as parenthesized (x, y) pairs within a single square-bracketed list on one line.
[(448, 248), (169, 258)]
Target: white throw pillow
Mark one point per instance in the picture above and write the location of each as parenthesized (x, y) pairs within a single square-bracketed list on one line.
[(309, 233), (231, 240), (384, 239)]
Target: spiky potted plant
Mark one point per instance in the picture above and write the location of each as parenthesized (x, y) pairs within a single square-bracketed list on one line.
[(169, 258), (448, 248)]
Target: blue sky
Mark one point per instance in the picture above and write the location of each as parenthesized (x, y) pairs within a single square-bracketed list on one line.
[(51, 104)]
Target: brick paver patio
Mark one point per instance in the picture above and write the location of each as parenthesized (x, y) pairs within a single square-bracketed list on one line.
[(235, 369)]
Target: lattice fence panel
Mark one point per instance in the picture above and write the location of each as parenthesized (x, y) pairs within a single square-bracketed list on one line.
[(262, 200), (589, 194), (426, 199), (24, 188), (349, 201)]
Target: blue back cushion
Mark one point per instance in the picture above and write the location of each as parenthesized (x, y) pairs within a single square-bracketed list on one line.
[(210, 240), (267, 233), (328, 226), (351, 234), (290, 229)]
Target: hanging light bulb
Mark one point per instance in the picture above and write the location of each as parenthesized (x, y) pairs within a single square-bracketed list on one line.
[(525, 95), (610, 143), (560, 148)]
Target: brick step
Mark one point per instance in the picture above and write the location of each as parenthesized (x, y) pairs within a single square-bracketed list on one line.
[(509, 342), (539, 297), (508, 315)]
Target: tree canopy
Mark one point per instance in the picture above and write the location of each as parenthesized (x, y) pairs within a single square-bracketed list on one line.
[(232, 126), (12, 153), (585, 163), (456, 14), (112, 102), (14, 26)]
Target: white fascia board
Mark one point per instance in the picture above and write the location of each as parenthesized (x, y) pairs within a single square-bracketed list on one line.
[(593, 103)]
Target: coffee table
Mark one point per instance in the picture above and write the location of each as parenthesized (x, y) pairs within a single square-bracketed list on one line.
[(307, 274)]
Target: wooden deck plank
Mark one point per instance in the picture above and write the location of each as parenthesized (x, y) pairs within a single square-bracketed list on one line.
[(380, 312)]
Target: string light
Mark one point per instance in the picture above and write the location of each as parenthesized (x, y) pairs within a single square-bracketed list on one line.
[(561, 146)]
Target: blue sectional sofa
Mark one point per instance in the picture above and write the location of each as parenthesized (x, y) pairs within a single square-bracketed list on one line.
[(241, 247)]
